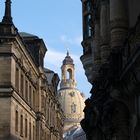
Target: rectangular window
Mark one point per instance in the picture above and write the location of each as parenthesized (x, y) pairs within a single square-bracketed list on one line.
[(17, 79), (34, 99), (22, 85), (26, 127), (54, 116), (51, 115), (16, 121), (21, 125), (30, 95), (26, 90), (88, 31), (33, 132), (30, 132), (47, 112)]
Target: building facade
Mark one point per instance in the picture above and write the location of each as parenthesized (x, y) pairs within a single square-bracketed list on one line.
[(71, 99), (111, 55), (28, 102)]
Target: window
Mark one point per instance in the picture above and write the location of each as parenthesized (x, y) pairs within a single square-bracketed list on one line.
[(21, 125), (33, 132), (73, 108), (21, 85), (47, 111), (88, 30), (17, 79), (26, 91), (16, 121), (26, 127), (51, 116), (30, 95), (34, 99), (69, 74), (30, 131)]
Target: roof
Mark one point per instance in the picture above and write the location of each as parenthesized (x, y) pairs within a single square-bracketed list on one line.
[(24, 34), (35, 46), (50, 74), (75, 133), (48, 70), (68, 60)]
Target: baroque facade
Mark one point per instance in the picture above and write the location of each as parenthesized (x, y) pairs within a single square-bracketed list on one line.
[(111, 56), (28, 92), (71, 99)]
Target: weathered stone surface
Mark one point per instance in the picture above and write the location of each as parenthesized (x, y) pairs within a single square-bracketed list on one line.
[(113, 110)]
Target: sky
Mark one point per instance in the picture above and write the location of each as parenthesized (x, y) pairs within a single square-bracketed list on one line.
[(59, 24)]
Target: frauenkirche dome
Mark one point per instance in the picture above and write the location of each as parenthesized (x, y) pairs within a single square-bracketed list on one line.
[(71, 99)]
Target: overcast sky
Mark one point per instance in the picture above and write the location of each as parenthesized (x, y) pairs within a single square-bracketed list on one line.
[(59, 24)]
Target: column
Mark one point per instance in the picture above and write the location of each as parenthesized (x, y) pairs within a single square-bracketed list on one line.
[(104, 31), (119, 29), (96, 51), (119, 23)]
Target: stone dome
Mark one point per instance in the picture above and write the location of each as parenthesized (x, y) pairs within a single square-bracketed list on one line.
[(71, 99), (72, 103)]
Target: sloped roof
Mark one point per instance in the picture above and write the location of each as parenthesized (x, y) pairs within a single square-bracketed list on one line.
[(24, 34), (49, 74)]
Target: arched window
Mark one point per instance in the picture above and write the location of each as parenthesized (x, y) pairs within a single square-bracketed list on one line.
[(73, 108), (69, 74)]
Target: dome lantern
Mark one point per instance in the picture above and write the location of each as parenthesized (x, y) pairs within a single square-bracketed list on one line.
[(68, 60)]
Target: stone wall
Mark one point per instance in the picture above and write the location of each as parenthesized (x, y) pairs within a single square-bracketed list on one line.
[(112, 111)]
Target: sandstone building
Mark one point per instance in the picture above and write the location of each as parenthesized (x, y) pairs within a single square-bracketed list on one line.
[(28, 91), (71, 99), (111, 56)]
